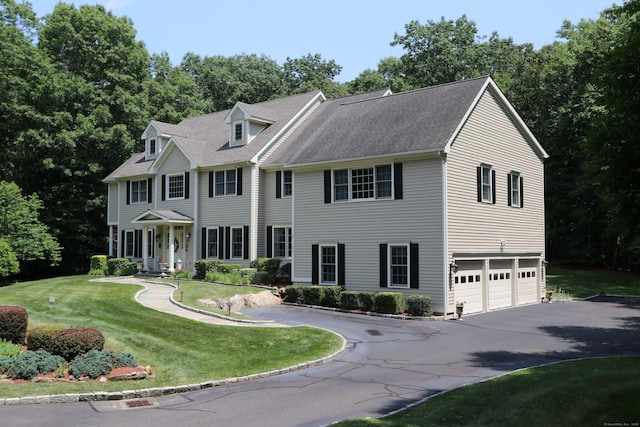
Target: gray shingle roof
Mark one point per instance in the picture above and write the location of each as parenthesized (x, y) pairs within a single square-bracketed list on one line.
[(205, 139), (349, 128)]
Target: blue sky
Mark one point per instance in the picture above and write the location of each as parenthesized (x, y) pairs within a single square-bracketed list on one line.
[(356, 34)]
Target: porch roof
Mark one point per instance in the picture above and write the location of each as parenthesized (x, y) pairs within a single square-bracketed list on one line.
[(161, 217)]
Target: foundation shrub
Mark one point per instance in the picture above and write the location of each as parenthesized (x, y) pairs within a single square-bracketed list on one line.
[(42, 338), (331, 296), (313, 295), (72, 342), (349, 300), (419, 305), (205, 266), (294, 294), (99, 265), (388, 302), (13, 323), (121, 267)]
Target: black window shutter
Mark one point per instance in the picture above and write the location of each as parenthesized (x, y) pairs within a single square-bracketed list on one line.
[(397, 181), (521, 192), (508, 189), (327, 186), (227, 243), (245, 245), (341, 266), (413, 268), (239, 182), (315, 268), (493, 186), (163, 195), (210, 183), (138, 244), (278, 184), (383, 265), (269, 241), (221, 242), (479, 182), (186, 185), (122, 244), (150, 190), (128, 192), (203, 243)]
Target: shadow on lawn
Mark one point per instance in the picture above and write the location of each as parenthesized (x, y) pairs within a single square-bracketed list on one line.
[(586, 342)]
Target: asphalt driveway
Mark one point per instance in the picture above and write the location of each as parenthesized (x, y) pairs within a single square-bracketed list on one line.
[(388, 364)]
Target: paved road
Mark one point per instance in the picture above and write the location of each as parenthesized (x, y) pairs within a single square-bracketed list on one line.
[(387, 365)]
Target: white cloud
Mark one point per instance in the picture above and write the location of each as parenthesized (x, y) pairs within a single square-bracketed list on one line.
[(117, 4)]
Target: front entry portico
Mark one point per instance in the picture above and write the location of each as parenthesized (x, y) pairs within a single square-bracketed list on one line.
[(171, 238)]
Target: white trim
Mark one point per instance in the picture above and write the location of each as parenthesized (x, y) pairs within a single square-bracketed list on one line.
[(375, 184), (389, 266), (288, 241), (241, 228), (320, 264), (168, 186)]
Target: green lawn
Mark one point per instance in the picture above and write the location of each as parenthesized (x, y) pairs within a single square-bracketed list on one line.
[(586, 283), (582, 393), (180, 351)]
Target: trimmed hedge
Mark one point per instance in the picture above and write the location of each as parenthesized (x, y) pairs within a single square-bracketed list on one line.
[(388, 302), (99, 265), (313, 295), (121, 267), (419, 305), (331, 296), (205, 266), (294, 294), (42, 338), (71, 342), (357, 300), (13, 323)]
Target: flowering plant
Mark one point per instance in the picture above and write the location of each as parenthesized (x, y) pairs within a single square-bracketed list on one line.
[(162, 261), (460, 303)]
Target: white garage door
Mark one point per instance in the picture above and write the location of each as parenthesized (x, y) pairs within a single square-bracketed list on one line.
[(468, 285), (500, 284), (527, 284)]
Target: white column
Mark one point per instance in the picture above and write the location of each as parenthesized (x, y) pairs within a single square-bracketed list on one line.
[(172, 248), (145, 248), (110, 251)]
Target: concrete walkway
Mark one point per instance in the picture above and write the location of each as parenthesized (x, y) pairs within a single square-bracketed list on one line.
[(158, 296)]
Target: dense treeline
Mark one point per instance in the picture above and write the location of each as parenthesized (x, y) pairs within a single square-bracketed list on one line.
[(77, 91)]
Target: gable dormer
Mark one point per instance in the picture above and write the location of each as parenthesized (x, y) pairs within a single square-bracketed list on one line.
[(154, 141), (244, 124)]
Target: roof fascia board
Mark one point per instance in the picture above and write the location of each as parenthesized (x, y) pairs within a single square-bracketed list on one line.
[(417, 155)]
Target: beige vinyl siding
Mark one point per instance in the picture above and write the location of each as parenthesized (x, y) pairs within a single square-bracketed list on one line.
[(363, 225), (274, 211), (491, 137), (112, 203), (130, 211), (175, 163), (237, 115)]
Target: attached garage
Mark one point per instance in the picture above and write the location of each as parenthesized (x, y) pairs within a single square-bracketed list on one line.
[(500, 284), (468, 286), (527, 284)]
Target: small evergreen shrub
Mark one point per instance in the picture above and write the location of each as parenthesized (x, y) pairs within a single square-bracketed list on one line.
[(42, 338), (9, 349), (294, 294), (29, 364), (262, 278), (388, 302), (248, 273), (269, 269), (13, 323), (99, 265), (182, 274), (349, 300), (205, 266), (366, 300), (419, 305), (313, 295), (96, 363), (331, 296), (71, 342), (121, 267)]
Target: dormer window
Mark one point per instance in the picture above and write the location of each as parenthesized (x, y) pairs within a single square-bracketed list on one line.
[(237, 132), (152, 147)]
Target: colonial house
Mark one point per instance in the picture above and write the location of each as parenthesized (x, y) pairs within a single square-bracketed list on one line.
[(420, 192)]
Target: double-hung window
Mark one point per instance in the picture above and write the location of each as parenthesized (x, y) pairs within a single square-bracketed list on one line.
[(486, 182), (328, 264), (212, 243), (237, 132), (287, 183), (514, 185), (139, 191), (363, 183), (176, 187), (398, 266), (237, 242), (282, 242), (225, 182), (152, 147), (129, 244)]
